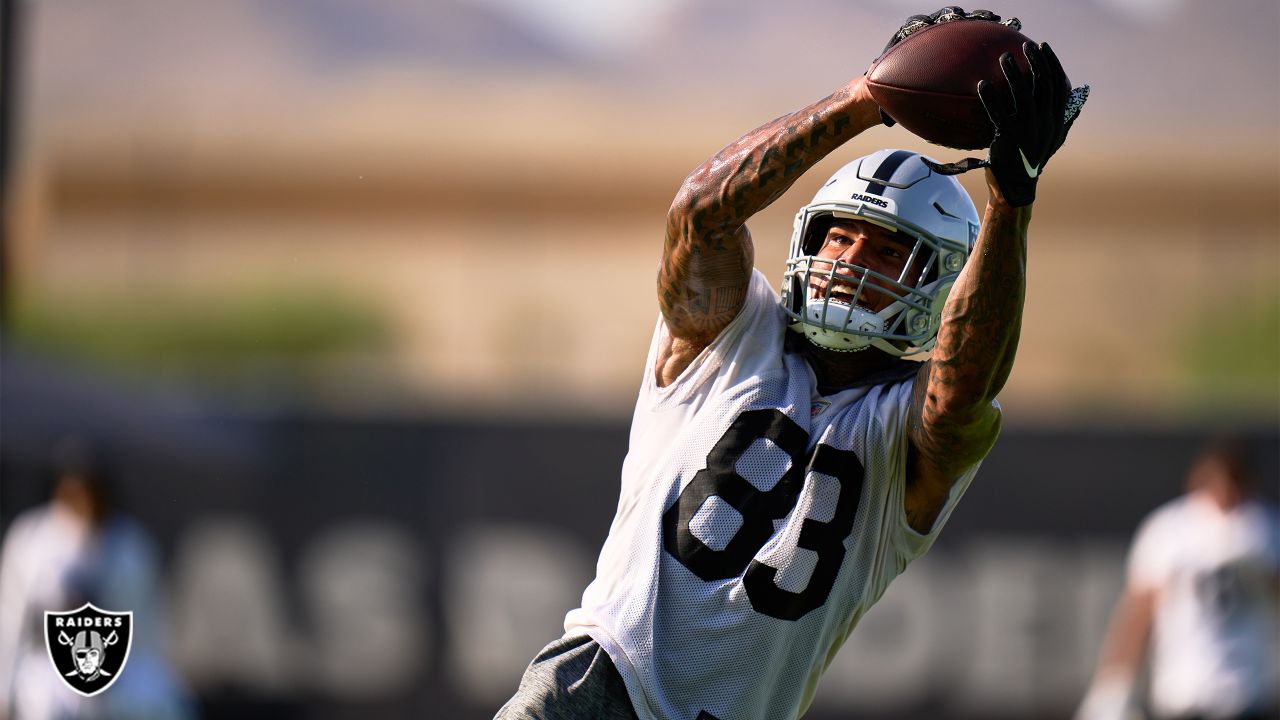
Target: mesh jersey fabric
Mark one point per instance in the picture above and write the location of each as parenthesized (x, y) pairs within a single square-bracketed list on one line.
[(757, 521), (1213, 642)]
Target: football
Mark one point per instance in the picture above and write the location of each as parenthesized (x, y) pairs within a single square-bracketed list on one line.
[(928, 82)]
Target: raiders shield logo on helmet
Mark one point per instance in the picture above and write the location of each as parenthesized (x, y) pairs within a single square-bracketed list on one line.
[(88, 646)]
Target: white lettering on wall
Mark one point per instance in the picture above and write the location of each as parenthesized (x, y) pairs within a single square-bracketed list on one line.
[(507, 589), (229, 621), (361, 586)]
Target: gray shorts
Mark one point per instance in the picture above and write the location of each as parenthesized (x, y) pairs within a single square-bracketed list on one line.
[(571, 679)]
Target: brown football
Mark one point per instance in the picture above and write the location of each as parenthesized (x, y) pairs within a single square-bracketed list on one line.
[(928, 82)]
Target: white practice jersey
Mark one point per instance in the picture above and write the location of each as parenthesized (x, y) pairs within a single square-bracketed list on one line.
[(1214, 641), (757, 522), (41, 549)]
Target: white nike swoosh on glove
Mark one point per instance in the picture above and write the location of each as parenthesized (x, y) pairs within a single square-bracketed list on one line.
[(1032, 171)]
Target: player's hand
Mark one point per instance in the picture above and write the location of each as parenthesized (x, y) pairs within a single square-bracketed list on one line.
[(1032, 116), (916, 23)]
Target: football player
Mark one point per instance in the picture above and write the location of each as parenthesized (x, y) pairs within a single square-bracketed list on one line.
[(1201, 604), (786, 460)]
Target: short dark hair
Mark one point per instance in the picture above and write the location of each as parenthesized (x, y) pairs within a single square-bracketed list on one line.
[(1232, 453), (83, 457)]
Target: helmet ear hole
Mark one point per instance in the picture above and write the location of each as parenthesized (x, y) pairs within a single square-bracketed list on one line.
[(930, 275)]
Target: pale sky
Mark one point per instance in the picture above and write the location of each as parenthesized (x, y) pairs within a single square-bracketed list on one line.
[(604, 26), (593, 26)]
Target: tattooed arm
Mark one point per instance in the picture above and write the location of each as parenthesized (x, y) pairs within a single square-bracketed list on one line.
[(953, 421), (708, 256)]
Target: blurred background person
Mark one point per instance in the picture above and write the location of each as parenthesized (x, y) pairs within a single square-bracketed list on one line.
[(1200, 603), (79, 548), (40, 550)]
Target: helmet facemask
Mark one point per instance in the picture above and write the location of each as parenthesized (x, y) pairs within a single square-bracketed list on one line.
[(831, 301), (848, 308)]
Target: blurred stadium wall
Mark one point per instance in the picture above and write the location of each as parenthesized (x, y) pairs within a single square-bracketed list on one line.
[(306, 266)]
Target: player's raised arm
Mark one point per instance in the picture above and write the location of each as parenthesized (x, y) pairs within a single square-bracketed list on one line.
[(708, 256), (954, 421)]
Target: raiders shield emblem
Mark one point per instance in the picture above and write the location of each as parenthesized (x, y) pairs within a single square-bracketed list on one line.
[(88, 646)]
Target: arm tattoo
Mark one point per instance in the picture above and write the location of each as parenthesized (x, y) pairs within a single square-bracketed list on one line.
[(954, 423), (707, 257)]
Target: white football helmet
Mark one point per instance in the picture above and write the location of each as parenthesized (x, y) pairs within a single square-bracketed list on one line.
[(896, 190)]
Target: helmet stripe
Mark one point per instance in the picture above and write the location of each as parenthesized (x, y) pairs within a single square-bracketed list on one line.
[(885, 172)]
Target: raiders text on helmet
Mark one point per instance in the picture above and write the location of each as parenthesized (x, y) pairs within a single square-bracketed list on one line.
[(896, 190)]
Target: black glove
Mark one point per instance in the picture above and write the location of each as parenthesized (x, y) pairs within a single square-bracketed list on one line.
[(916, 23), (1032, 116)]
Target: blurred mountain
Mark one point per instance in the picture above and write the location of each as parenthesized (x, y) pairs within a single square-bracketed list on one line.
[(1194, 65), (452, 33), (1193, 61), (138, 56)]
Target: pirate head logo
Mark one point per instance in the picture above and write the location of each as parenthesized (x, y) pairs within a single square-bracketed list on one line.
[(88, 646)]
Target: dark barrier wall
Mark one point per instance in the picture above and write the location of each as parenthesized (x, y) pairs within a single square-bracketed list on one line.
[(389, 569)]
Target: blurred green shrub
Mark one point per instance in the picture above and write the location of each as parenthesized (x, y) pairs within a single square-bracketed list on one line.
[(1234, 350), (178, 331)]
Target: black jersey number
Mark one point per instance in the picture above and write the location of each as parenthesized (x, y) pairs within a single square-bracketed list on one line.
[(759, 508)]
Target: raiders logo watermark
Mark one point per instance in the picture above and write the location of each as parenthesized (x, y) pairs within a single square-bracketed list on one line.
[(88, 646)]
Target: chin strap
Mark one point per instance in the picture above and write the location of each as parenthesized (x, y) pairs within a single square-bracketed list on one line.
[(956, 168), (1074, 103)]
